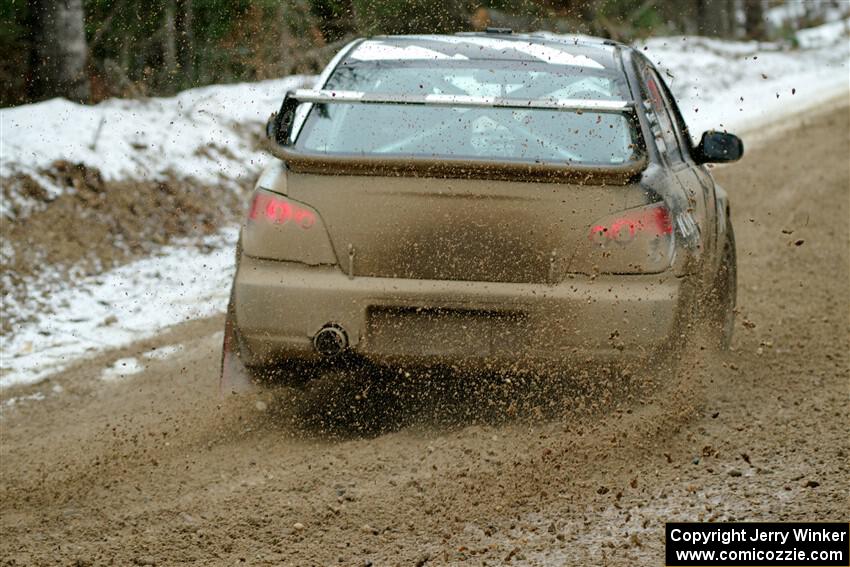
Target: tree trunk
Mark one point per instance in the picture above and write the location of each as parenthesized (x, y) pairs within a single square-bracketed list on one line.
[(732, 19), (754, 19), (185, 41), (169, 47), (713, 17), (59, 50)]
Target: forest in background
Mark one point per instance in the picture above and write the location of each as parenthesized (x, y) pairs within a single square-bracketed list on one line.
[(88, 50)]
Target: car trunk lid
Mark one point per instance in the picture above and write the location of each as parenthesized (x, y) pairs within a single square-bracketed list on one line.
[(451, 228)]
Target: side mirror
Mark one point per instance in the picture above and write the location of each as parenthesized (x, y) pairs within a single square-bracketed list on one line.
[(271, 127), (718, 147), (279, 125)]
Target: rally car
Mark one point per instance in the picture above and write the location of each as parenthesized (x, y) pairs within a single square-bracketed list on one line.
[(480, 200)]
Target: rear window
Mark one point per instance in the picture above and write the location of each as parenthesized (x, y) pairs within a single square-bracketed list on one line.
[(510, 134), (480, 78)]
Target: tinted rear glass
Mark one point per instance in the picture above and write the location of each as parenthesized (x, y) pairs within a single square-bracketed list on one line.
[(480, 78), (510, 134)]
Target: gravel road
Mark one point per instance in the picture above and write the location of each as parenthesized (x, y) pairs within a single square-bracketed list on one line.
[(154, 469)]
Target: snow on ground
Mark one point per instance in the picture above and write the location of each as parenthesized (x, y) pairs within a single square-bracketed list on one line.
[(204, 133), (791, 14), (122, 368), (121, 306), (163, 353), (824, 35), (719, 84), (739, 86)]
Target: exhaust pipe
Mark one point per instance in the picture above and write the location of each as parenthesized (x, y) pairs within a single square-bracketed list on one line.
[(330, 340)]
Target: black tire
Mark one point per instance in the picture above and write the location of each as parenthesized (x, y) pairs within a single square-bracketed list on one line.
[(723, 294)]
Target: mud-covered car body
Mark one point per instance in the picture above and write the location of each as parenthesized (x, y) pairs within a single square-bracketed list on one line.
[(492, 201)]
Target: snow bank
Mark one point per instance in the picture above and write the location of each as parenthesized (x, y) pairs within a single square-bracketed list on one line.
[(742, 86), (793, 13), (121, 306), (208, 134), (825, 35), (732, 85)]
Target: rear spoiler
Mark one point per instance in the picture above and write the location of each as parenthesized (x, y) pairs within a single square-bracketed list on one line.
[(466, 101), (283, 127)]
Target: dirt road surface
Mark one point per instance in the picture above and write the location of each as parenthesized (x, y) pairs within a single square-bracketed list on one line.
[(153, 469)]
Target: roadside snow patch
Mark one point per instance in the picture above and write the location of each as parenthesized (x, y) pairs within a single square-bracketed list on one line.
[(121, 306), (122, 368), (163, 352), (824, 35), (742, 86), (209, 134), (36, 397)]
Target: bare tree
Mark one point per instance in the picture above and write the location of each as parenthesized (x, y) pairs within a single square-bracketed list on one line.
[(169, 40), (185, 39), (732, 18), (59, 52), (714, 18), (754, 19)]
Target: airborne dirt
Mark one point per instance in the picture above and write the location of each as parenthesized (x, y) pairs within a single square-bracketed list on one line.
[(155, 469)]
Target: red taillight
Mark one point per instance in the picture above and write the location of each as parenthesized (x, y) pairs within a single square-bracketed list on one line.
[(279, 210), (279, 228), (653, 220), (635, 241)]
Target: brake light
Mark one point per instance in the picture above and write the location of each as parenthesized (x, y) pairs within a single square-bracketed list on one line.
[(280, 210), (653, 220), (636, 241), (279, 228)]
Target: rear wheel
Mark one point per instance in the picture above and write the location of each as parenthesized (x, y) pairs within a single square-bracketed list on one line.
[(723, 294)]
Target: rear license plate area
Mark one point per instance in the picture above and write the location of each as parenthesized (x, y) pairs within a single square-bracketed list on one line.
[(442, 331)]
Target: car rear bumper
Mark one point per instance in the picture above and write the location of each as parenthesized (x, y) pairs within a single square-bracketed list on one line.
[(280, 306)]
